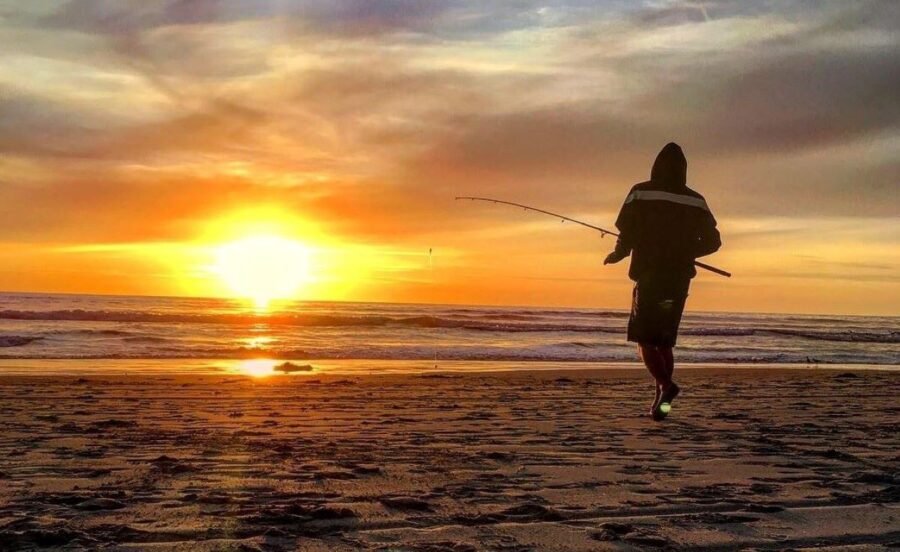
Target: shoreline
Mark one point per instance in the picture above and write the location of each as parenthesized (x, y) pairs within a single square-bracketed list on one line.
[(264, 367)]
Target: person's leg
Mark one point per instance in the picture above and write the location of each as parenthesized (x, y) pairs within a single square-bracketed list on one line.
[(656, 364), (669, 359), (668, 390)]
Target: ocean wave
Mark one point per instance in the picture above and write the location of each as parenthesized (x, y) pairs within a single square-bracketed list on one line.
[(718, 332), (847, 336), (512, 314), (91, 332), (490, 321), (841, 336), (145, 339), (305, 320), (17, 340)]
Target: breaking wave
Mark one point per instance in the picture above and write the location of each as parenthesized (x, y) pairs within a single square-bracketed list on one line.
[(493, 323), (490, 321), (844, 336), (17, 340)]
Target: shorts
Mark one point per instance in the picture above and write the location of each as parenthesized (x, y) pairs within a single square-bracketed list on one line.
[(656, 308)]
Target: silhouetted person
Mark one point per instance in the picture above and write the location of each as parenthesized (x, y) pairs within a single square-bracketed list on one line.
[(664, 226)]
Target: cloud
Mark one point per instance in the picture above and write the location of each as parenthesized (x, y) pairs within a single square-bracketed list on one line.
[(671, 14), (377, 111), (108, 206), (119, 17), (802, 100), (349, 18), (778, 111)]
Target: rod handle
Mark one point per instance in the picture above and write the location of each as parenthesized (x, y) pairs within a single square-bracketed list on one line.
[(713, 269)]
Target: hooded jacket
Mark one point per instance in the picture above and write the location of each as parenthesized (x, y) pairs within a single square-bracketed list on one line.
[(665, 225)]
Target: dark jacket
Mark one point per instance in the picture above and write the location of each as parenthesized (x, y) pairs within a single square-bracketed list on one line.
[(664, 224)]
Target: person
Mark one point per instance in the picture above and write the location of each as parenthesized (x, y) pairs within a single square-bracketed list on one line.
[(664, 226)]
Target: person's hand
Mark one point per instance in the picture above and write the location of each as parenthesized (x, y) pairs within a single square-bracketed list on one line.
[(613, 258)]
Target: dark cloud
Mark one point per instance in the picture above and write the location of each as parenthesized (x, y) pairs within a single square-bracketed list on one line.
[(34, 126), (440, 19), (672, 14), (38, 125), (827, 15), (589, 157), (119, 17), (793, 103), (354, 17), (366, 17), (572, 149)]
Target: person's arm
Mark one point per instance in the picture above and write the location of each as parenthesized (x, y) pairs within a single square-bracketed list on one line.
[(625, 224), (708, 241)]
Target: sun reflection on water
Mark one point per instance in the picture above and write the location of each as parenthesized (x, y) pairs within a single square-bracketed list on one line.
[(264, 367), (258, 342), (256, 367)]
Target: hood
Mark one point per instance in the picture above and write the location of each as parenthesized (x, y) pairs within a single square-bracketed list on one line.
[(670, 168)]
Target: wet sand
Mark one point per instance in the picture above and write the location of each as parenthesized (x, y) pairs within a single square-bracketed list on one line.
[(763, 459)]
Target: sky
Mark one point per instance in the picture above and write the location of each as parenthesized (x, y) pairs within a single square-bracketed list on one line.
[(140, 140)]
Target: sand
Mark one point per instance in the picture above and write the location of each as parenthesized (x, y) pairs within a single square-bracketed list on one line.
[(761, 459)]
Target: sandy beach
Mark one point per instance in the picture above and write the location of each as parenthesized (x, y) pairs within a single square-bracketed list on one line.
[(757, 459)]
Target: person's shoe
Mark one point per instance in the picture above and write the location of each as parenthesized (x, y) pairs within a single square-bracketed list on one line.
[(664, 406), (655, 400)]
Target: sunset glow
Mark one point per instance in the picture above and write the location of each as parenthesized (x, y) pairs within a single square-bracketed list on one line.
[(263, 268), (256, 367)]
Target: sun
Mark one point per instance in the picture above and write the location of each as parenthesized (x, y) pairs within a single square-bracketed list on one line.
[(263, 268)]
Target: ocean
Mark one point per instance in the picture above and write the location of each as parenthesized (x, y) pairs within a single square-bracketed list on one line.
[(57, 326)]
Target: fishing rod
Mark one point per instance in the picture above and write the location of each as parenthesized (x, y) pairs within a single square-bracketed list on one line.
[(563, 218)]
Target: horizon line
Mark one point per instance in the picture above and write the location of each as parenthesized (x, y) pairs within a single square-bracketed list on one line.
[(435, 304)]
